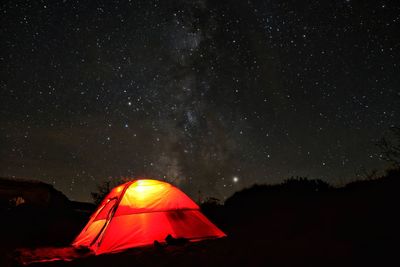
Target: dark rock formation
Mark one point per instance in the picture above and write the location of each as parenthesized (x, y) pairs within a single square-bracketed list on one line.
[(30, 193)]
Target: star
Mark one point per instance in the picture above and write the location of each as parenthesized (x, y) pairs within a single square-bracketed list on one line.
[(249, 92)]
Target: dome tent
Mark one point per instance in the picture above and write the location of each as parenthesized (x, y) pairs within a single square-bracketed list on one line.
[(139, 212)]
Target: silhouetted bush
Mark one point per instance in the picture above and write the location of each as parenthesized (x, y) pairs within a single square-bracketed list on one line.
[(213, 209), (304, 185)]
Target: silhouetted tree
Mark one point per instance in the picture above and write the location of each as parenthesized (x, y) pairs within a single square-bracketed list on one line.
[(365, 174), (104, 188), (303, 184), (390, 147), (211, 202)]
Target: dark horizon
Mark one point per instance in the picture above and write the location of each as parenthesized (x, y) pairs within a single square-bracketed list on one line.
[(299, 222), (214, 96)]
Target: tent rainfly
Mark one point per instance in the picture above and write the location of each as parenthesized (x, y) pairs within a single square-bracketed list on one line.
[(139, 212)]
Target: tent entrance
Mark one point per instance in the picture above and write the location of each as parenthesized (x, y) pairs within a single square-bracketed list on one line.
[(114, 202), (111, 204)]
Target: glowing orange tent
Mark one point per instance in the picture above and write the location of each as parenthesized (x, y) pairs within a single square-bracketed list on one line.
[(139, 212)]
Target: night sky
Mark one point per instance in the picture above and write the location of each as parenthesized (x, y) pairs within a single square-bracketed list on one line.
[(213, 96)]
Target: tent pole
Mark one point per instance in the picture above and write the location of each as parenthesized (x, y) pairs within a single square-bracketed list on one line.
[(113, 210)]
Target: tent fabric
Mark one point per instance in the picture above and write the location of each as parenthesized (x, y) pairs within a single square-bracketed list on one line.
[(138, 213)]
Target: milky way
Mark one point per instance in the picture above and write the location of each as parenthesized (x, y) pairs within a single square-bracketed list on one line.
[(213, 96)]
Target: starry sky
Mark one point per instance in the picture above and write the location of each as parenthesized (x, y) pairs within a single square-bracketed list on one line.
[(213, 96)]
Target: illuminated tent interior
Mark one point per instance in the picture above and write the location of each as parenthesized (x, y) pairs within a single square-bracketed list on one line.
[(139, 212)]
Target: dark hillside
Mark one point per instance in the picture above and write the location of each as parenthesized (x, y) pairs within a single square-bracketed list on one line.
[(34, 214), (297, 223), (313, 221)]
